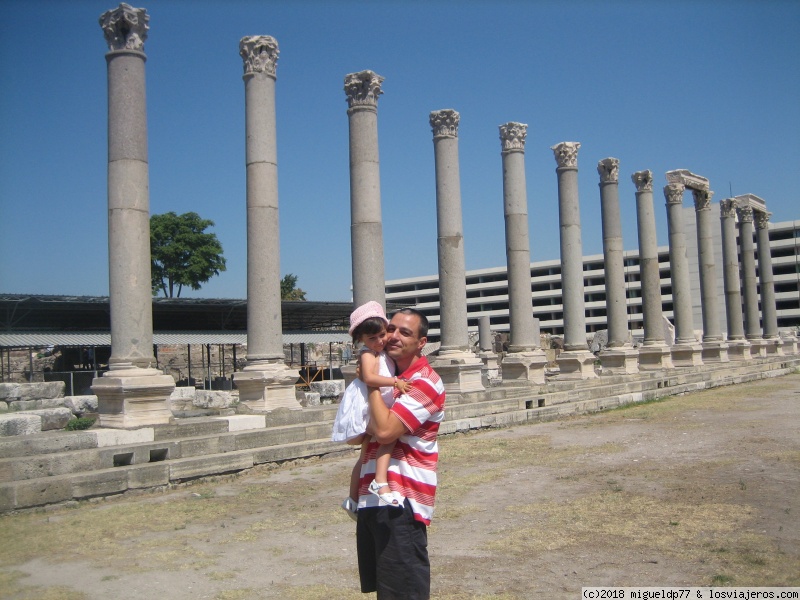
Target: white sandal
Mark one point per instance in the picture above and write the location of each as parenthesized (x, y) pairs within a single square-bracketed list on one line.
[(387, 498)]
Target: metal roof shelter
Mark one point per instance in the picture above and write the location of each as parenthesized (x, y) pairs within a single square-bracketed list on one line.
[(38, 321)]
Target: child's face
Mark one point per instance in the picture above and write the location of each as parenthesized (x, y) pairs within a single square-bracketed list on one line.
[(375, 341)]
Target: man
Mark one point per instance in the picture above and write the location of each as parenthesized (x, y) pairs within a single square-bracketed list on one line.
[(393, 542)]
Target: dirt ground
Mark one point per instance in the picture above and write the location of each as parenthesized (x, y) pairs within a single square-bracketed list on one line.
[(702, 489)]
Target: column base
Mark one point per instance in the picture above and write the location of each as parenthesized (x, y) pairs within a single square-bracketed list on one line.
[(491, 368), (739, 350), (789, 344), (758, 348), (619, 361), (687, 355), (655, 358), (527, 366), (774, 346), (715, 352), (133, 397), (267, 386), (460, 371), (576, 364)]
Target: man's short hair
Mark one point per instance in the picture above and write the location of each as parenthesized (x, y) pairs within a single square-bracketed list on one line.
[(423, 320)]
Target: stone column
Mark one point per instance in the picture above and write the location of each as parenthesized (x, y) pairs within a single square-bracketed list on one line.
[(366, 232), (576, 361), (715, 350), (686, 352), (486, 350), (265, 383), (749, 282), (738, 346), (769, 314), (132, 393), (654, 354), (618, 357), (459, 368), (525, 360)]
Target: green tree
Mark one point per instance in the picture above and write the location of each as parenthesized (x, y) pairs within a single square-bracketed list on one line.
[(182, 253), (289, 289)]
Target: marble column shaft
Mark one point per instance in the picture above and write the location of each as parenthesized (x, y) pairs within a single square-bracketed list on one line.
[(769, 314), (452, 270), (566, 154), (132, 393), (679, 264), (518, 255), (614, 263), (712, 331), (264, 322), (130, 286), (730, 272), (749, 281), (366, 230), (652, 311)]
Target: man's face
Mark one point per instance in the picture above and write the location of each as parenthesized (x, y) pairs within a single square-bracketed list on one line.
[(403, 342)]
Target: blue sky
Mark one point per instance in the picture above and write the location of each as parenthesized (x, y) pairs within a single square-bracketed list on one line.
[(713, 87)]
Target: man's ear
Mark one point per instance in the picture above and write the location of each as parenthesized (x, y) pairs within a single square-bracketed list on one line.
[(421, 343)]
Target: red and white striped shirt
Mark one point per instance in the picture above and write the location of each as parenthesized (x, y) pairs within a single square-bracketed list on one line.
[(412, 468)]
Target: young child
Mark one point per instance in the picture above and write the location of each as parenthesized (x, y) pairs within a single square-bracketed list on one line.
[(368, 326)]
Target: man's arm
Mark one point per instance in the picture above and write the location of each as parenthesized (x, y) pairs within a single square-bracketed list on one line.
[(383, 423)]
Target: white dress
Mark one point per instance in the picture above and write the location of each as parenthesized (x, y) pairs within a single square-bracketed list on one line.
[(353, 414)]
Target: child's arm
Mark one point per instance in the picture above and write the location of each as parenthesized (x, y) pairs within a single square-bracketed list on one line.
[(369, 372)]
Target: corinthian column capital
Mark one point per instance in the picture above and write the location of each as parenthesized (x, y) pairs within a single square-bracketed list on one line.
[(727, 208), (702, 199), (512, 137), (673, 192), (362, 89), (260, 54), (643, 180), (762, 219), (444, 123), (566, 154), (608, 169), (125, 27), (745, 214)]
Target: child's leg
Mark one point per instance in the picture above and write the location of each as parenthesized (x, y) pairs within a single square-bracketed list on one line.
[(355, 475), (382, 465)]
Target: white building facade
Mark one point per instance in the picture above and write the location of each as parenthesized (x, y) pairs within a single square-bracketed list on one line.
[(487, 289)]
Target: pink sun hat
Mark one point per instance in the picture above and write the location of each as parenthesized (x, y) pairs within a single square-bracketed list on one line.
[(364, 312)]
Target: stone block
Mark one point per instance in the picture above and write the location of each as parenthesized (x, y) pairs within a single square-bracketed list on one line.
[(52, 418), (207, 446), (311, 399), (9, 391), (119, 437), (3, 406), (146, 476), (42, 491), (213, 399), (41, 390), (17, 405), (79, 405), (244, 422), (20, 424), (7, 501), (101, 483), (209, 465), (328, 389)]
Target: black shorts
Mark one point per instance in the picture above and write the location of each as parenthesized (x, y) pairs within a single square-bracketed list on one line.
[(393, 554)]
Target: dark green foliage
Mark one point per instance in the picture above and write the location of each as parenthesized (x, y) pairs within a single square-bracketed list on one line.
[(289, 289), (182, 253), (79, 423)]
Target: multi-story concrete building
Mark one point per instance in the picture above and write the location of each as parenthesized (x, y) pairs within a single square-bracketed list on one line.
[(487, 289)]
